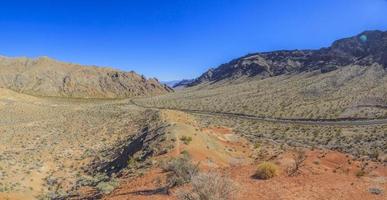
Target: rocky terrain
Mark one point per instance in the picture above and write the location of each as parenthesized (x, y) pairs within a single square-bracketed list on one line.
[(365, 49), (47, 77)]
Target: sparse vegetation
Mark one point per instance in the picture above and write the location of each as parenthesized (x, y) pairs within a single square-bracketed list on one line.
[(357, 140), (72, 138), (309, 95), (67, 133)]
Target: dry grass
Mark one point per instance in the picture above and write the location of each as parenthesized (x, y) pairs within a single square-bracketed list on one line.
[(209, 186), (266, 170), (299, 157), (180, 171)]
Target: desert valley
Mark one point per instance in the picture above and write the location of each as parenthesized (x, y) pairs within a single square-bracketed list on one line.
[(294, 124)]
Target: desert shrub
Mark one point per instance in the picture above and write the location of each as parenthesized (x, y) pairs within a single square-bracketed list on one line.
[(132, 163), (185, 153), (375, 191), (180, 171), (186, 139), (107, 187), (299, 157), (257, 145), (92, 180), (374, 154), (360, 173), (266, 170), (209, 186)]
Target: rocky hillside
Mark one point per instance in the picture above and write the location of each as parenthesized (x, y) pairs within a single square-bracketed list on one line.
[(346, 80), (47, 77), (364, 49)]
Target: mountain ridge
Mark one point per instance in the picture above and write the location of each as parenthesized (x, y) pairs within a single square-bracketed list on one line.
[(44, 76), (365, 48)]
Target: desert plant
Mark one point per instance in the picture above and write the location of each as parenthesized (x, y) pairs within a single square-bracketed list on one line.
[(180, 171), (266, 170), (186, 139), (107, 187), (362, 171), (299, 157), (374, 154), (209, 186), (132, 163), (257, 145)]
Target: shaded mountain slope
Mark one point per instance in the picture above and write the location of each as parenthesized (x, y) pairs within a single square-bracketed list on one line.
[(47, 77)]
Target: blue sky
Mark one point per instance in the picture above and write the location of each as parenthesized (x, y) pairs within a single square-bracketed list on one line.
[(175, 39)]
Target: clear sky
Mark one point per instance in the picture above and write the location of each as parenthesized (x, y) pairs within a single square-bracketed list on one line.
[(175, 39)]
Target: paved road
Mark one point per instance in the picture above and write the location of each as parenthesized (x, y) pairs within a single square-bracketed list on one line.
[(320, 122)]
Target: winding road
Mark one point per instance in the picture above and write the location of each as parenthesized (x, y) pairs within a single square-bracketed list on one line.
[(317, 122)]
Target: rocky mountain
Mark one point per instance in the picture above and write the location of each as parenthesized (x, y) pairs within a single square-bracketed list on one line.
[(364, 49), (47, 77)]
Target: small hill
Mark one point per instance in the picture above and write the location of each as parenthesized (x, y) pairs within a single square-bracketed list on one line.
[(47, 77), (365, 49)]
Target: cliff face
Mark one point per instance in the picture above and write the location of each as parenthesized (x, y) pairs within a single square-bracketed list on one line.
[(48, 77), (364, 49)]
